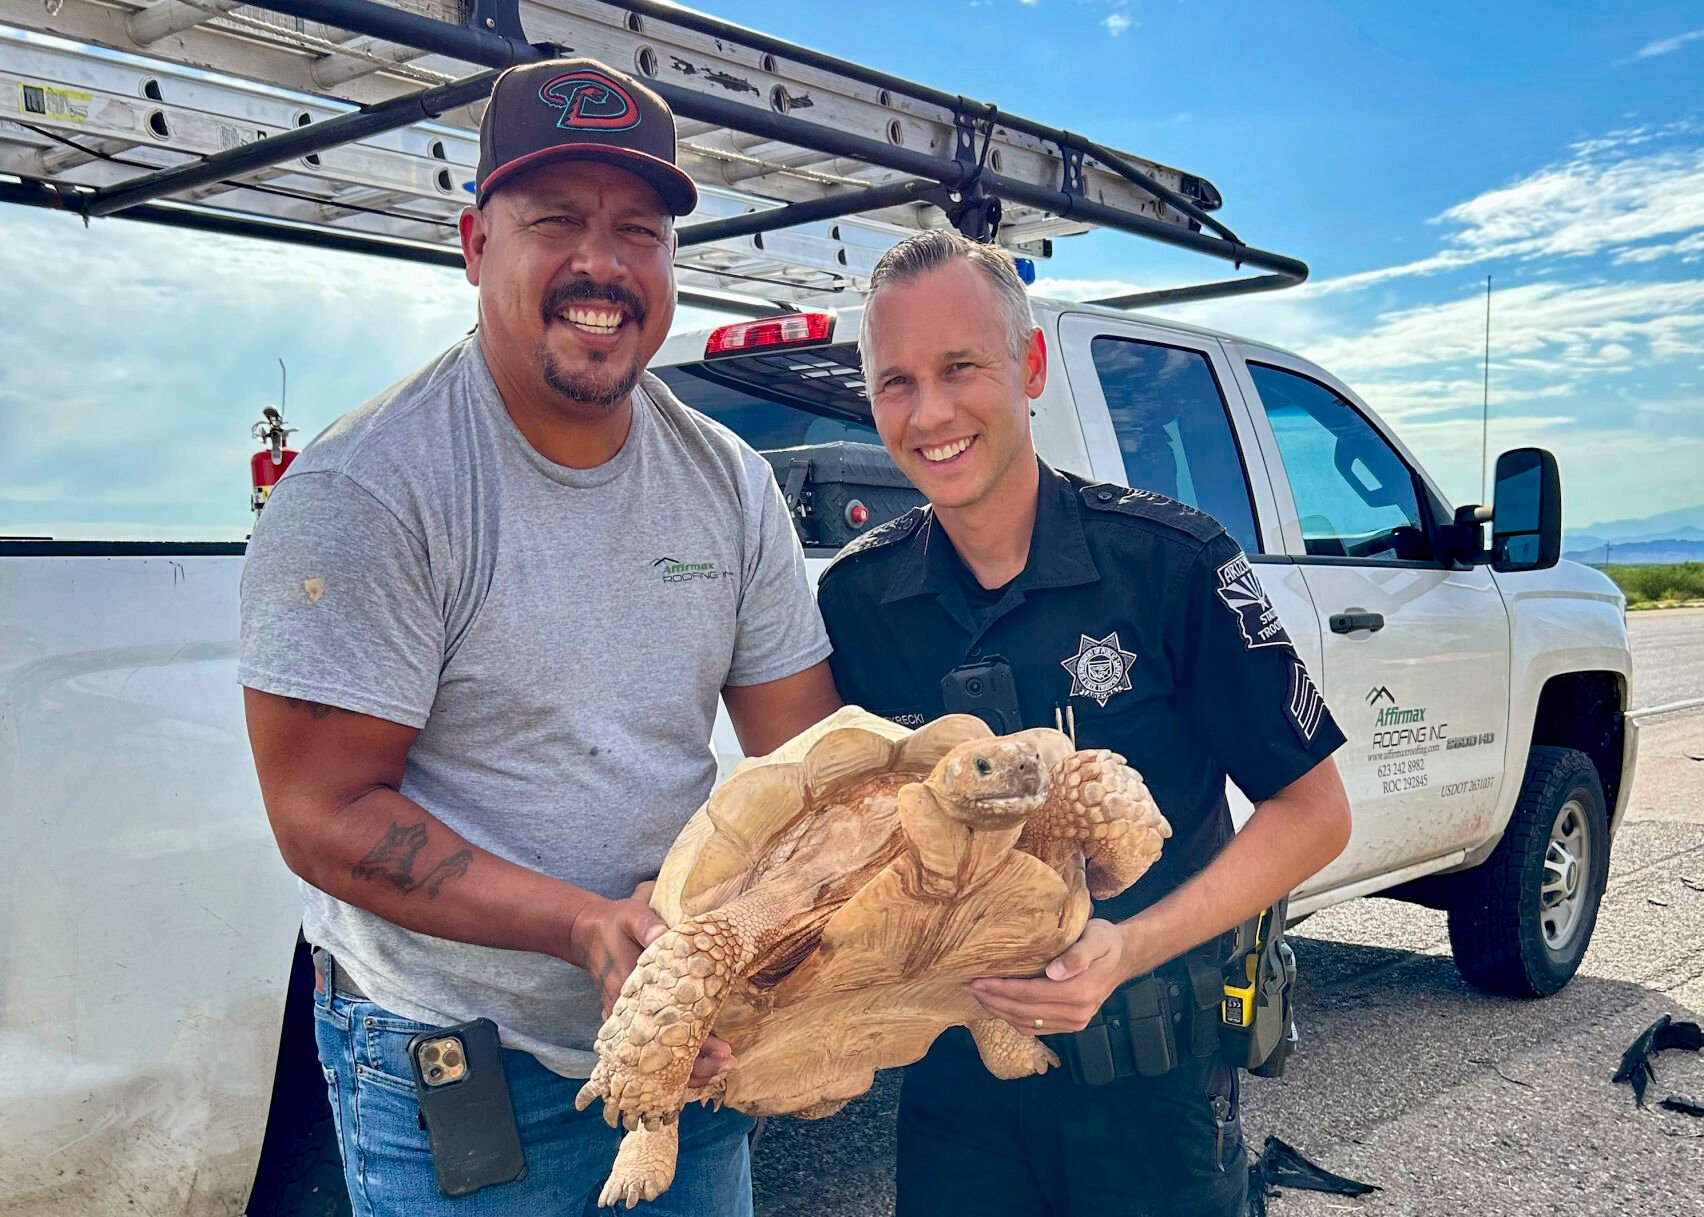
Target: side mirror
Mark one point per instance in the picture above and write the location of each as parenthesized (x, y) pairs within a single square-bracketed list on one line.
[(1526, 521)]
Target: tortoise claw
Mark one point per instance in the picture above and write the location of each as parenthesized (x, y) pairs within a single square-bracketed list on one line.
[(644, 1167)]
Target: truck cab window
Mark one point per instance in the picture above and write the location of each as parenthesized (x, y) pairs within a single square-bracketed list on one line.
[(1356, 497), (1173, 430)]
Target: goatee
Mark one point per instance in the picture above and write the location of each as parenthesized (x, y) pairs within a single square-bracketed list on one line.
[(601, 392)]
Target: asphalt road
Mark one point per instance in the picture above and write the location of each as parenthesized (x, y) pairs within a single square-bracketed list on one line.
[(1452, 1102), (1668, 656)]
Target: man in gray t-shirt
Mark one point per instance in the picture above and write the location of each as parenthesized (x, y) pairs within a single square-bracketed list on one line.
[(487, 618)]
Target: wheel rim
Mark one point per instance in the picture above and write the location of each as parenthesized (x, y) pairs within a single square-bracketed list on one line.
[(1567, 869)]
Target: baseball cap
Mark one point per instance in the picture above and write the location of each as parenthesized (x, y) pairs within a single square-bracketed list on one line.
[(579, 109)]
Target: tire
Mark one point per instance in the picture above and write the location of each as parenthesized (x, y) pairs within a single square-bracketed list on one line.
[(1520, 921)]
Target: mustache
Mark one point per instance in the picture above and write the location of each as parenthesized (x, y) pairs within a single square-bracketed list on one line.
[(584, 291)]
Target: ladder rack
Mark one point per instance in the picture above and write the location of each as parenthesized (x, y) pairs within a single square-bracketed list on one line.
[(353, 124)]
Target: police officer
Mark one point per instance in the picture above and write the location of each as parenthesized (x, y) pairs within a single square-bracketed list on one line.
[(1036, 598)]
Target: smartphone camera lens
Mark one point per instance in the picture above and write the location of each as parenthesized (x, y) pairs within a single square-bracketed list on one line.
[(452, 1059), (435, 1072), (430, 1054)]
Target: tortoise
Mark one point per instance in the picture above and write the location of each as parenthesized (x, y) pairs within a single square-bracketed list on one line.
[(829, 902)]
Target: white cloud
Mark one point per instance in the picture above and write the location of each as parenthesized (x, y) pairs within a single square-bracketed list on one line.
[(1589, 367), (1668, 45), (1424, 402), (1561, 327), (1616, 192), (1687, 249), (1116, 23)]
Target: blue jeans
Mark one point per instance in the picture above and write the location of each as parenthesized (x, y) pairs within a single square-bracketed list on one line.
[(387, 1160)]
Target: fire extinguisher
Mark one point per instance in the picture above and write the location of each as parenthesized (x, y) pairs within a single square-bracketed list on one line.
[(269, 464)]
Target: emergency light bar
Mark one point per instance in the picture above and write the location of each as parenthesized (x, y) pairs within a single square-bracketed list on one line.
[(793, 330)]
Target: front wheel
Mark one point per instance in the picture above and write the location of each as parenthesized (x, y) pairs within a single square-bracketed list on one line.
[(1521, 920)]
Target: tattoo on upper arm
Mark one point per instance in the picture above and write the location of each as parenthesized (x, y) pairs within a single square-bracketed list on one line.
[(392, 861), (315, 709)]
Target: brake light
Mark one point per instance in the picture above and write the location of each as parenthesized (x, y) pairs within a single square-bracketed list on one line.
[(795, 329)]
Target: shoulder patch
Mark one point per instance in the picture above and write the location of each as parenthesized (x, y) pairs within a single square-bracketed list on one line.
[(897, 529), (1238, 587), (1146, 505)]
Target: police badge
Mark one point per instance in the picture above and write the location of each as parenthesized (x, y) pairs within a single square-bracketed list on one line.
[(1100, 668)]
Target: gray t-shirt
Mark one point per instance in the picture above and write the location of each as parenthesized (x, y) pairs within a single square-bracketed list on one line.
[(560, 637)]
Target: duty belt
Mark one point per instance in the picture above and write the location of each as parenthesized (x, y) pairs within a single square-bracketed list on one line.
[(1145, 1025)]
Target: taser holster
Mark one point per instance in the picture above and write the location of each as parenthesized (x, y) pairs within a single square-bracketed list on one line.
[(1257, 1014)]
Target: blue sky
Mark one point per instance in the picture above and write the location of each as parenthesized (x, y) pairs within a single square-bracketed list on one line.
[(1404, 153)]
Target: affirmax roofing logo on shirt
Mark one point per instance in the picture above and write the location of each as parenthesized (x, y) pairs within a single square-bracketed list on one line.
[(672, 570)]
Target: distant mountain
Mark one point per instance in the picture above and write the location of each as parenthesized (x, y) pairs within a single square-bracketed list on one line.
[(1665, 552), (1685, 524)]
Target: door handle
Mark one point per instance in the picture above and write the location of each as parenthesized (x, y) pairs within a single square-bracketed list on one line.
[(1348, 623)]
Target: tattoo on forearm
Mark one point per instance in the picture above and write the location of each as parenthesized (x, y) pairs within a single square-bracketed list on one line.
[(452, 867), (392, 861), (315, 709), (604, 971)]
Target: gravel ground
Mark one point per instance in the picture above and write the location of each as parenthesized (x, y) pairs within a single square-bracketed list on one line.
[(1452, 1102)]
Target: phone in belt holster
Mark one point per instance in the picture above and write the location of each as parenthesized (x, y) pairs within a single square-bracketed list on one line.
[(465, 1107)]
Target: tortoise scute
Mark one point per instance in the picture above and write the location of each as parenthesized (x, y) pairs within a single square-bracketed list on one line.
[(829, 902)]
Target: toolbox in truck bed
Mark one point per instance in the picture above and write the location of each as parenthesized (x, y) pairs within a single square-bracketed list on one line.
[(837, 492)]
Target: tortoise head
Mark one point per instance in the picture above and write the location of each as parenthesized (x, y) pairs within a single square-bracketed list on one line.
[(990, 783)]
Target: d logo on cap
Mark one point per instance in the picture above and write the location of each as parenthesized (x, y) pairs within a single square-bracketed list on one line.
[(591, 100)]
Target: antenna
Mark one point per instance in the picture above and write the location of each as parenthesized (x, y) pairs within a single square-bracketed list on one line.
[(283, 383), (1485, 406)]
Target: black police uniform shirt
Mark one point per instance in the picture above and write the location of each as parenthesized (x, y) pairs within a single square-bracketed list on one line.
[(1139, 613)]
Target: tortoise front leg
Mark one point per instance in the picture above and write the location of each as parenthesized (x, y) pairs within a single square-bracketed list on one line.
[(645, 1162), (1007, 1052), (644, 1166), (668, 1005), (1099, 807)]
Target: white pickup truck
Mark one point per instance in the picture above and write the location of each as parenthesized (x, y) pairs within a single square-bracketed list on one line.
[(153, 1017)]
